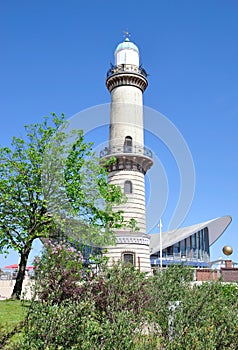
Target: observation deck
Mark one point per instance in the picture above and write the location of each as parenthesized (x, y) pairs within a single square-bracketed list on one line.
[(126, 68), (127, 74), (137, 158)]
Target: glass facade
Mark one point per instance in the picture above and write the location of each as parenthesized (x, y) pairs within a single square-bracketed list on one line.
[(191, 249)]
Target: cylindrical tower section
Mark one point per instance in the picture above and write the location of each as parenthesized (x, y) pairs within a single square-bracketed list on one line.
[(126, 117), (133, 185)]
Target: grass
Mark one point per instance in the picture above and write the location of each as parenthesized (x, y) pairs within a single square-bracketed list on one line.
[(12, 312)]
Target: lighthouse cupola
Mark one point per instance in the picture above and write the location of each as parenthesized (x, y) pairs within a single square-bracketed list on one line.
[(127, 53)]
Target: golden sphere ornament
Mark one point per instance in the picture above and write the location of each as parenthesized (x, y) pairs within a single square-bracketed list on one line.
[(227, 250)]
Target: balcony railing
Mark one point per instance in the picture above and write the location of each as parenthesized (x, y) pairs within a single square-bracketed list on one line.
[(138, 150), (122, 68)]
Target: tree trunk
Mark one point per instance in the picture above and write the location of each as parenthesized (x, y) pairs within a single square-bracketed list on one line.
[(16, 294)]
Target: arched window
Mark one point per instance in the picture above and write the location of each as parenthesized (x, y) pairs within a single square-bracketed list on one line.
[(128, 144), (128, 258), (128, 187)]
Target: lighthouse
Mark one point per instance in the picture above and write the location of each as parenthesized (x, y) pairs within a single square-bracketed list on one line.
[(126, 81)]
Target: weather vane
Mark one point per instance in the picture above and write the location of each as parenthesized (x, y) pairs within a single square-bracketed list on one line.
[(126, 34)]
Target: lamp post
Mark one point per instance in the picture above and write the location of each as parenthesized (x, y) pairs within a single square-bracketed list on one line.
[(160, 241)]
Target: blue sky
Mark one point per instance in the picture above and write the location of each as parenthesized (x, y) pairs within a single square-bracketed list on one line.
[(55, 54)]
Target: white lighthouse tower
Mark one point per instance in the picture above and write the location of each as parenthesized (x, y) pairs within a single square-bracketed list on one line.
[(126, 82)]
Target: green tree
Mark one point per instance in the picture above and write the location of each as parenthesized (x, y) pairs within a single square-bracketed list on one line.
[(51, 183)]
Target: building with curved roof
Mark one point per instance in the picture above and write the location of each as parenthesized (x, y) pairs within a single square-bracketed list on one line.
[(189, 245)]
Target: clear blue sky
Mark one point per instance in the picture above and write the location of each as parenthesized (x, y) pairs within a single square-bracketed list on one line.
[(55, 54)]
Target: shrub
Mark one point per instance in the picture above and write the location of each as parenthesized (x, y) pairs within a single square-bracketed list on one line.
[(58, 272), (123, 309)]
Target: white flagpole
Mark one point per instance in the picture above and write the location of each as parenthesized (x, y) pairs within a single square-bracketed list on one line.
[(160, 235)]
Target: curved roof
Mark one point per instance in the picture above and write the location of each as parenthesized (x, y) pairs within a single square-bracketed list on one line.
[(127, 45), (216, 227)]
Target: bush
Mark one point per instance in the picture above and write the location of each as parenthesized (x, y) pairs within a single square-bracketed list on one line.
[(58, 272), (123, 309), (207, 318), (99, 312)]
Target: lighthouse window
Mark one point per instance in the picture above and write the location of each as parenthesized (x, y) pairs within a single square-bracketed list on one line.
[(128, 164), (128, 258), (127, 187), (128, 144)]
